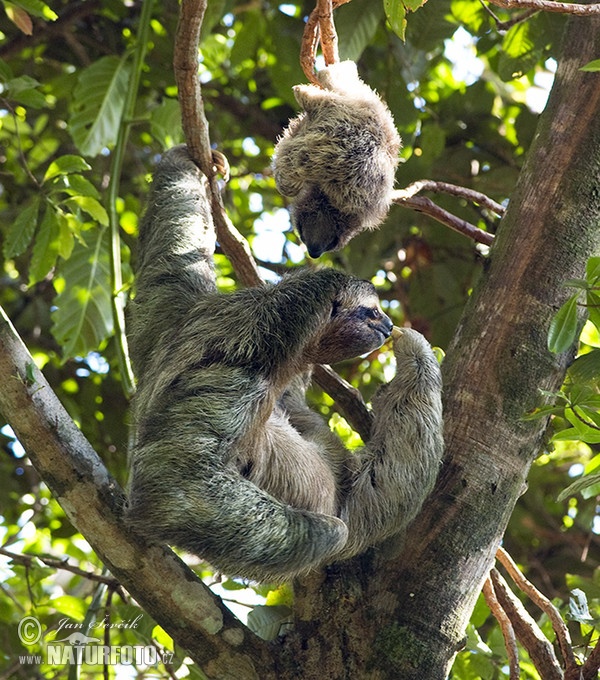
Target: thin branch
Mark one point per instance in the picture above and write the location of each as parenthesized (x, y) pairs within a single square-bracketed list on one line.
[(550, 6), (118, 297), (562, 632), (329, 39), (195, 128), (454, 190), (428, 207), (348, 400), (319, 26), (527, 631), (56, 563), (589, 670), (513, 21), (508, 632)]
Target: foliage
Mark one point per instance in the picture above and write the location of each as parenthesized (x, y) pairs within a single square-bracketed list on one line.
[(465, 95)]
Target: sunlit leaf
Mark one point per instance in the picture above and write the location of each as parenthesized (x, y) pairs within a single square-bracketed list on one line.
[(98, 104), (592, 66), (83, 316), (37, 8), (46, 246), (563, 327), (91, 206), (65, 165)]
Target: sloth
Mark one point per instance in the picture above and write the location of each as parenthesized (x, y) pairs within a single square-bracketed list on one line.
[(228, 461), (337, 160)]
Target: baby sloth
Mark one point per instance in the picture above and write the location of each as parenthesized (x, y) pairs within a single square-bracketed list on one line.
[(337, 159), (228, 461)]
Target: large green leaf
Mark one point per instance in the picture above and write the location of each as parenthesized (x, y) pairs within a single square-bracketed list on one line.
[(97, 109), (563, 327), (356, 24), (21, 231), (83, 316)]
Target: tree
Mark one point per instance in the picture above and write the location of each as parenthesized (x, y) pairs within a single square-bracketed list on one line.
[(396, 612)]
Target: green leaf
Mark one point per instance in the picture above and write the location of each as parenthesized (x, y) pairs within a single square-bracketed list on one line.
[(37, 8), (356, 25), (563, 327), (97, 109), (74, 185), (165, 123), (46, 246), (519, 52), (91, 206), (83, 316), (591, 66), (65, 165), (593, 308), (395, 12), (21, 231), (592, 270), (586, 368)]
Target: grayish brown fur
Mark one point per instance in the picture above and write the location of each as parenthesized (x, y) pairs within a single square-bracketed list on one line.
[(337, 159), (229, 462)]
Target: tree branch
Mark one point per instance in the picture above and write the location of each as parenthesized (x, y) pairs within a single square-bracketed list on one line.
[(527, 631), (92, 500), (562, 632), (428, 207), (550, 6), (508, 632), (55, 563), (319, 26)]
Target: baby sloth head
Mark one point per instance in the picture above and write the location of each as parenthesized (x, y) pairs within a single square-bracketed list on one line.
[(337, 159), (357, 325)]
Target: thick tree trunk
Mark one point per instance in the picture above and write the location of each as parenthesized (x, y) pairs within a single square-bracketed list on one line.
[(405, 617)]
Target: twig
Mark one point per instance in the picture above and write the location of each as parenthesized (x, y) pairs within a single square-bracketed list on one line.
[(526, 629), (320, 26), (56, 563), (347, 399), (562, 632), (428, 207), (195, 128), (589, 670), (508, 632), (513, 21), (549, 6), (454, 190)]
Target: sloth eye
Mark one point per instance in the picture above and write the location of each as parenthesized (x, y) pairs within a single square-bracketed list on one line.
[(372, 313)]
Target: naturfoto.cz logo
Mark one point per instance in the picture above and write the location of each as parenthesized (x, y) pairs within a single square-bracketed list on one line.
[(78, 648)]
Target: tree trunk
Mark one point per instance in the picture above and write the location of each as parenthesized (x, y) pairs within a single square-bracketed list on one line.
[(404, 615)]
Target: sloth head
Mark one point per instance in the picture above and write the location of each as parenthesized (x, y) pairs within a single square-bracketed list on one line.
[(357, 325)]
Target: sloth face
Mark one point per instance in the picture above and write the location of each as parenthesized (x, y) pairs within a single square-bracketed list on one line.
[(357, 325)]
